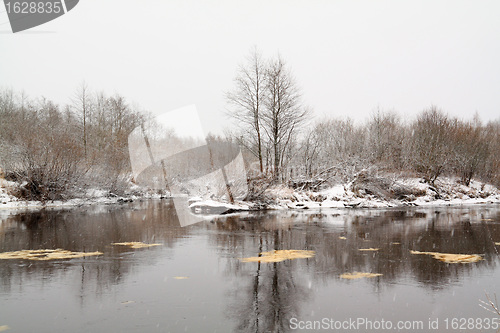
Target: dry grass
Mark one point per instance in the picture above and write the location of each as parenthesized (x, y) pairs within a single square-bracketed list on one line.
[(490, 305), (359, 275), (370, 249), (451, 258), (136, 245), (46, 254), (280, 255)]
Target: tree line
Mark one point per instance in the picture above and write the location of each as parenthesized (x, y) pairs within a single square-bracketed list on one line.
[(274, 127), (432, 145), (54, 150), (60, 152)]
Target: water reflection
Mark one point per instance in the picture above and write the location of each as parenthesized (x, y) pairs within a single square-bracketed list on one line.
[(255, 297), (86, 230), (337, 238), (269, 295)]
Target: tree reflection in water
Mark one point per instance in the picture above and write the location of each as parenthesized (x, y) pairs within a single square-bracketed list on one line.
[(85, 229), (262, 297), (274, 292), (267, 295)]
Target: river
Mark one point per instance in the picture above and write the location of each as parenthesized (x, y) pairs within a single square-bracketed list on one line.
[(195, 281)]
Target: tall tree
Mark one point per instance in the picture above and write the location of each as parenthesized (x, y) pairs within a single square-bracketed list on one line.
[(246, 99), (82, 102), (284, 113)]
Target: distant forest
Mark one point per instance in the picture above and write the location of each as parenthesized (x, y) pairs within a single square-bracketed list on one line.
[(56, 152)]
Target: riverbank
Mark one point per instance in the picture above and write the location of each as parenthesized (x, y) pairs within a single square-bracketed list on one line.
[(385, 192), (87, 197), (364, 192)]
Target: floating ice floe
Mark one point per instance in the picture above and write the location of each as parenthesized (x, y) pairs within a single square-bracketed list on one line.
[(280, 255), (359, 275), (46, 254), (136, 245), (451, 258)]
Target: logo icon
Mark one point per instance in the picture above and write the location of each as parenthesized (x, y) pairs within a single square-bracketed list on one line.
[(26, 14), (170, 153)]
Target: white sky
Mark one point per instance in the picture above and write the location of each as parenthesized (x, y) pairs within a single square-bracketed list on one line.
[(349, 57)]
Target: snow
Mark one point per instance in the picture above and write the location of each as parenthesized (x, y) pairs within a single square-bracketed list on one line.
[(451, 192), (89, 197), (95, 193), (339, 196), (335, 191), (7, 200), (194, 199), (218, 204)]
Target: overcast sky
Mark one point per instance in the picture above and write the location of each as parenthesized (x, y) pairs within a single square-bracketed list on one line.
[(349, 57)]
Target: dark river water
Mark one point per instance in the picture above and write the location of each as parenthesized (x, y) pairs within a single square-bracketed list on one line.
[(196, 282)]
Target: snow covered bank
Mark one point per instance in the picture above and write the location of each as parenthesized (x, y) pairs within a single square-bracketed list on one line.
[(88, 197), (365, 192), (217, 207), (385, 192), (7, 200)]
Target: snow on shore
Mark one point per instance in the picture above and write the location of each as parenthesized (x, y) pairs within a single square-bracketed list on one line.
[(399, 193), (7, 200), (366, 194), (89, 197)]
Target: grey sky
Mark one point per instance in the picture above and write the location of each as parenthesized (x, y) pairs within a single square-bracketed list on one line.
[(349, 57)]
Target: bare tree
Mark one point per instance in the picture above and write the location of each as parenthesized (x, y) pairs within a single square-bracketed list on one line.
[(430, 143), (81, 102), (246, 99), (385, 137), (311, 147), (492, 163), (470, 148), (284, 113)]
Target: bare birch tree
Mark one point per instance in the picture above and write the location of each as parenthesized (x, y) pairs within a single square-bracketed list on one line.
[(246, 99), (284, 113)]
